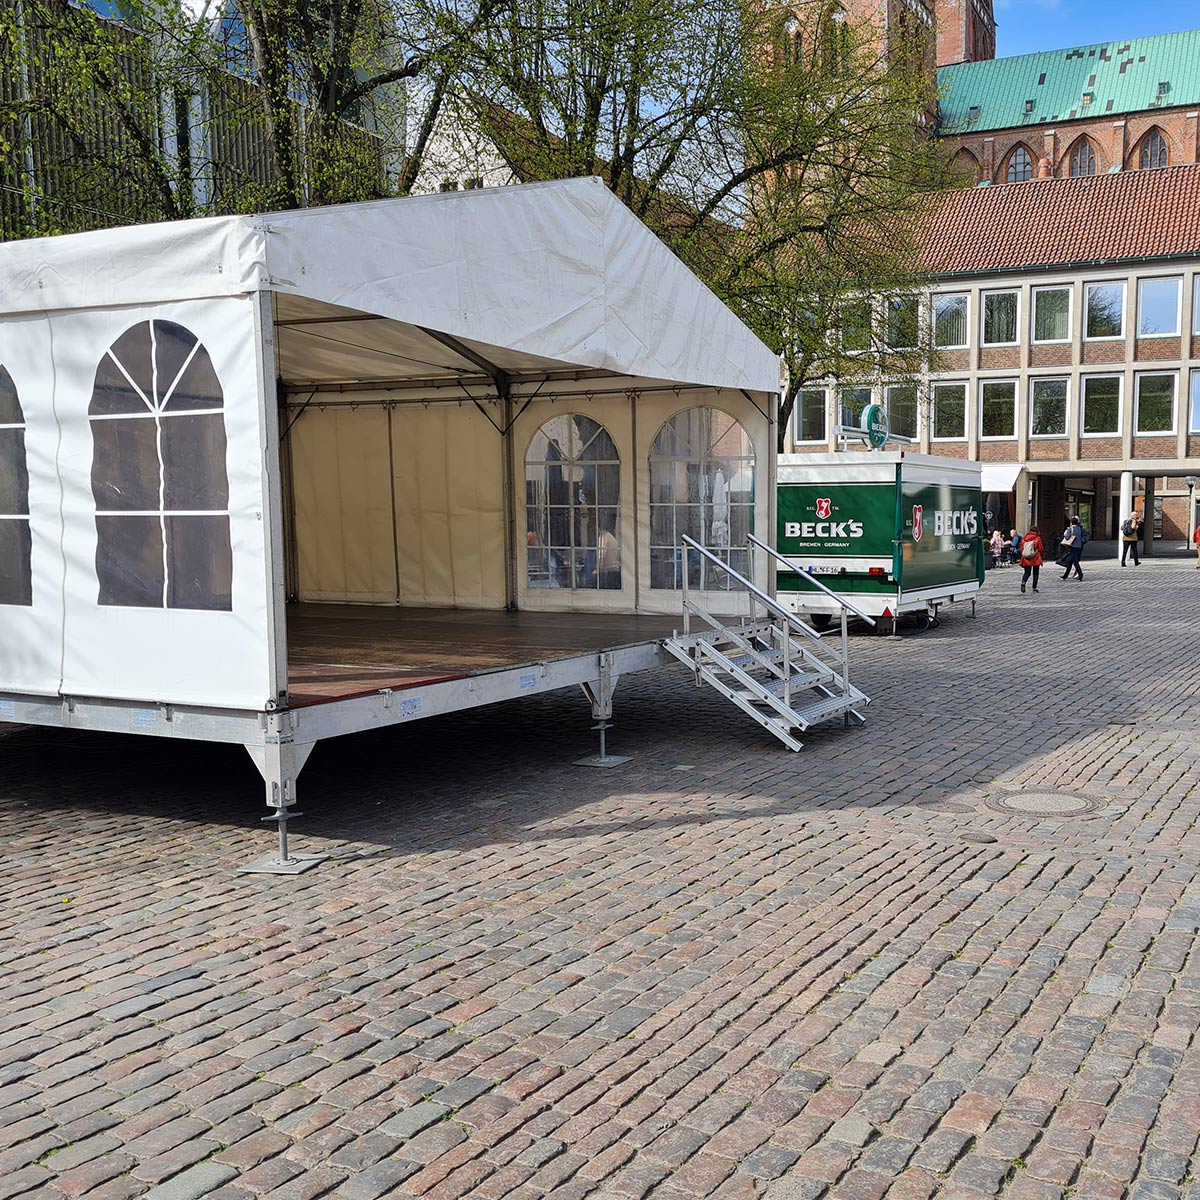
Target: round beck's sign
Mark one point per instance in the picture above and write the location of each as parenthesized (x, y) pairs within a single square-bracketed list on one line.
[(875, 425)]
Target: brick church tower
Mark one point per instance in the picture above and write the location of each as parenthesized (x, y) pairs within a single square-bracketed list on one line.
[(966, 31)]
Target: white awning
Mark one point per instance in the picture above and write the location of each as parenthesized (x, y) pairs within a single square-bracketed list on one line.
[(999, 477)]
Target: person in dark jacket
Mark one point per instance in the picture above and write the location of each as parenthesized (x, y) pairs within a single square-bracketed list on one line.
[(1031, 558), (1073, 542), (1131, 534)]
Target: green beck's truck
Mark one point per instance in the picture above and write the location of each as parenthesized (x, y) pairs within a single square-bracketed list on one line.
[(894, 532)]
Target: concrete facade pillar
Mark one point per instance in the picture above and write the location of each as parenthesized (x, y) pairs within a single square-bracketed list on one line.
[(1148, 518), (1126, 505)]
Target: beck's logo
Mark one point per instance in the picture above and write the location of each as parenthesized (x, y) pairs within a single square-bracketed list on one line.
[(918, 510), (824, 509)]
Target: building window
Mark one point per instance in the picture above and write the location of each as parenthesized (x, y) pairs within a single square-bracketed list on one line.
[(793, 45), (949, 412), (573, 506), (1155, 403), (810, 415), (702, 485), (1158, 307), (836, 36), (901, 404), (159, 478), (1105, 311), (998, 409), (950, 322), (1083, 159), (856, 325), (1052, 314), (16, 580), (1020, 166), (1101, 405), (903, 322), (1000, 318), (1194, 421), (852, 403), (1154, 151), (1048, 408)]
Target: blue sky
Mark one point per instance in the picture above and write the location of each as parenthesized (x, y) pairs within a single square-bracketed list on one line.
[(1028, 25)]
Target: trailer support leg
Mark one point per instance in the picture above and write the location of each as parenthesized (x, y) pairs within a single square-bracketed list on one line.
[(279, 763), (600, 695)]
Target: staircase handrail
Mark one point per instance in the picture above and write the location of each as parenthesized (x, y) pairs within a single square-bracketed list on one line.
[(858, 612), (766, 601)]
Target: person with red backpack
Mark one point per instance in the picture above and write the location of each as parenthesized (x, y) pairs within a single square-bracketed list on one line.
[(1031, 556)]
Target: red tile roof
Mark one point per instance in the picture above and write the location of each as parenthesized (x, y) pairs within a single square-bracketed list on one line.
[(1063, 222)]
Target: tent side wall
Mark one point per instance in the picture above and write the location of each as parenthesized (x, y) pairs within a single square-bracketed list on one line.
[(147, 439), (395, 502)]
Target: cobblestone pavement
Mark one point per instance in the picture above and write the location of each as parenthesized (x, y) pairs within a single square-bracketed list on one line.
[(722, 970)]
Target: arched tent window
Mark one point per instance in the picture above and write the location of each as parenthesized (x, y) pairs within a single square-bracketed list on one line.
[(573, 505), (1020, 166), (1083, 159), (158, 473), (1154, 151), (16, 583), (702, 485)]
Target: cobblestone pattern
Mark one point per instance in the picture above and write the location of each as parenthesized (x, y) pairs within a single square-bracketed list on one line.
[(723, 970)]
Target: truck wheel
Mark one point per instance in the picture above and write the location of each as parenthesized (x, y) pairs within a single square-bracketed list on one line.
[(820, 621)]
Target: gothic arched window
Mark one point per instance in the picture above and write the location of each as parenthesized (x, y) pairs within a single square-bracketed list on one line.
[(1020, 166), (16, 583), (702, 485), (1154, 150), (573, 506), (158, 473), (1083, 159), (793, 45)]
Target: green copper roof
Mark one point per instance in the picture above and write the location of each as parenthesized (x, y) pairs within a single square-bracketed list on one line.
[(1064, 85)]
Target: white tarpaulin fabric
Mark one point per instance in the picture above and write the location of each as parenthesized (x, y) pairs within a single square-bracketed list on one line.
[(999, 477), (562, 271)]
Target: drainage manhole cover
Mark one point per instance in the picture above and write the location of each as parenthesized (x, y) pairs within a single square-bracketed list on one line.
[(1042, 804)]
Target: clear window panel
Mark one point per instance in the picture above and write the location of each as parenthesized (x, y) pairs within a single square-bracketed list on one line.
[(193, 449), (125, 465), (1158, 307), (10, 405), (129, 560), (197, 388), (1102, 404), (1194, 423), (999, 318), (852, 403), (903, 322), (902, 409), (810, 415), (949, 321), (1048, 408), (856, 326), (14, 475), (199, 563), (130, 390), (16, 580), (998, 410), (1105, 310), (950, 410), (1155, 403), (1052, 315)]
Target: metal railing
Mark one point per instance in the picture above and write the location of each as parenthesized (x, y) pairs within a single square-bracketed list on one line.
[(789, 620), (844, 605)]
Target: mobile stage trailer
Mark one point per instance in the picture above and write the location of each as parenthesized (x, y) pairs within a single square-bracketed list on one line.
[(894, 532), (268, 480)]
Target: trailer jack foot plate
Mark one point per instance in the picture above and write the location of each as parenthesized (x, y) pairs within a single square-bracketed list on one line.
[(603, 760)]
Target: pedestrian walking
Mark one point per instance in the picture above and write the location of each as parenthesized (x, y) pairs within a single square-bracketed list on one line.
[(1131, 534), (1032, 552), (1196, 543), (1073, 541)]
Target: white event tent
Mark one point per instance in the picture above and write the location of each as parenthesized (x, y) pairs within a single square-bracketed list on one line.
[(270, 479)]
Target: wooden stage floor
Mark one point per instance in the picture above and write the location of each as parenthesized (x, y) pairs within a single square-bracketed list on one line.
[(340, 650)]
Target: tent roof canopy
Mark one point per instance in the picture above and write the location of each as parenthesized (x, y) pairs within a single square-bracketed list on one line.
[(529, 279)]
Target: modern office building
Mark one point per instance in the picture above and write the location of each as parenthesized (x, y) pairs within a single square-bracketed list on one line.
[(1063, 317)]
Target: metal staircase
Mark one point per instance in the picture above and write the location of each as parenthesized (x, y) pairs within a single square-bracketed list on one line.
[(775, 667)]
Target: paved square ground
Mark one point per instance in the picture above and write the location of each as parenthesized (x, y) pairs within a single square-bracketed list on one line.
[(722, 970)]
